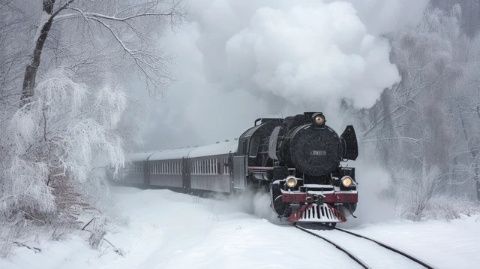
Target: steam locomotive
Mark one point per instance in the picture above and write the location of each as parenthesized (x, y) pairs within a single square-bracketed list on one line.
[(296, 159)]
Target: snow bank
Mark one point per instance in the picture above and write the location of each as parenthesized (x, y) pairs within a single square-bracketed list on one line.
[(163, 229), (452, 244)]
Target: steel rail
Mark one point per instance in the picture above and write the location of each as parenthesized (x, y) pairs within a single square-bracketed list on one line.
[(353, 257), (408, 256)]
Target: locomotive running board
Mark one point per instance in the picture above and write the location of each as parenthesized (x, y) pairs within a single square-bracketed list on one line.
[(320, 213)]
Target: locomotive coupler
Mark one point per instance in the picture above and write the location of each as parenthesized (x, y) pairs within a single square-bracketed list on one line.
[(315, 198)]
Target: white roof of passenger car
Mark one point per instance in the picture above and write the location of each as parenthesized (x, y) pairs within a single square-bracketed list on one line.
[(191, 152), (215, 149), (170, 154), (139, 156)]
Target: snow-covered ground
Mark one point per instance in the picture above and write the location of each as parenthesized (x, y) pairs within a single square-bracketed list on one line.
[(163, 229), (453, 244)]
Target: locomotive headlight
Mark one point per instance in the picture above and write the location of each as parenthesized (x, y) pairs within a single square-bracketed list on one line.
[(347, 181), (318, 119), (291, 182)]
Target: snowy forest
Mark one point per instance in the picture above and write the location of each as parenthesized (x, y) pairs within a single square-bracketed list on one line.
[(424, 129), (63, 99), (85, 83)]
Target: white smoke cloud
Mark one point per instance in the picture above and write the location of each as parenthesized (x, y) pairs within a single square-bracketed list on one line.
[(235, 61), (310, 53)]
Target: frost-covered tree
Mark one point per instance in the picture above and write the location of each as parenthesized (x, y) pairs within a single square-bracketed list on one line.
[(61, 66), (426, 128), (55, 142), (118, 21)]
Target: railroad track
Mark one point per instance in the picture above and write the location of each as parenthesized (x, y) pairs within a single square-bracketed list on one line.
[(353, 256)]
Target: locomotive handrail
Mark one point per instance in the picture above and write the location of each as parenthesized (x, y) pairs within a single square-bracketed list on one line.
[(265, 168)]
